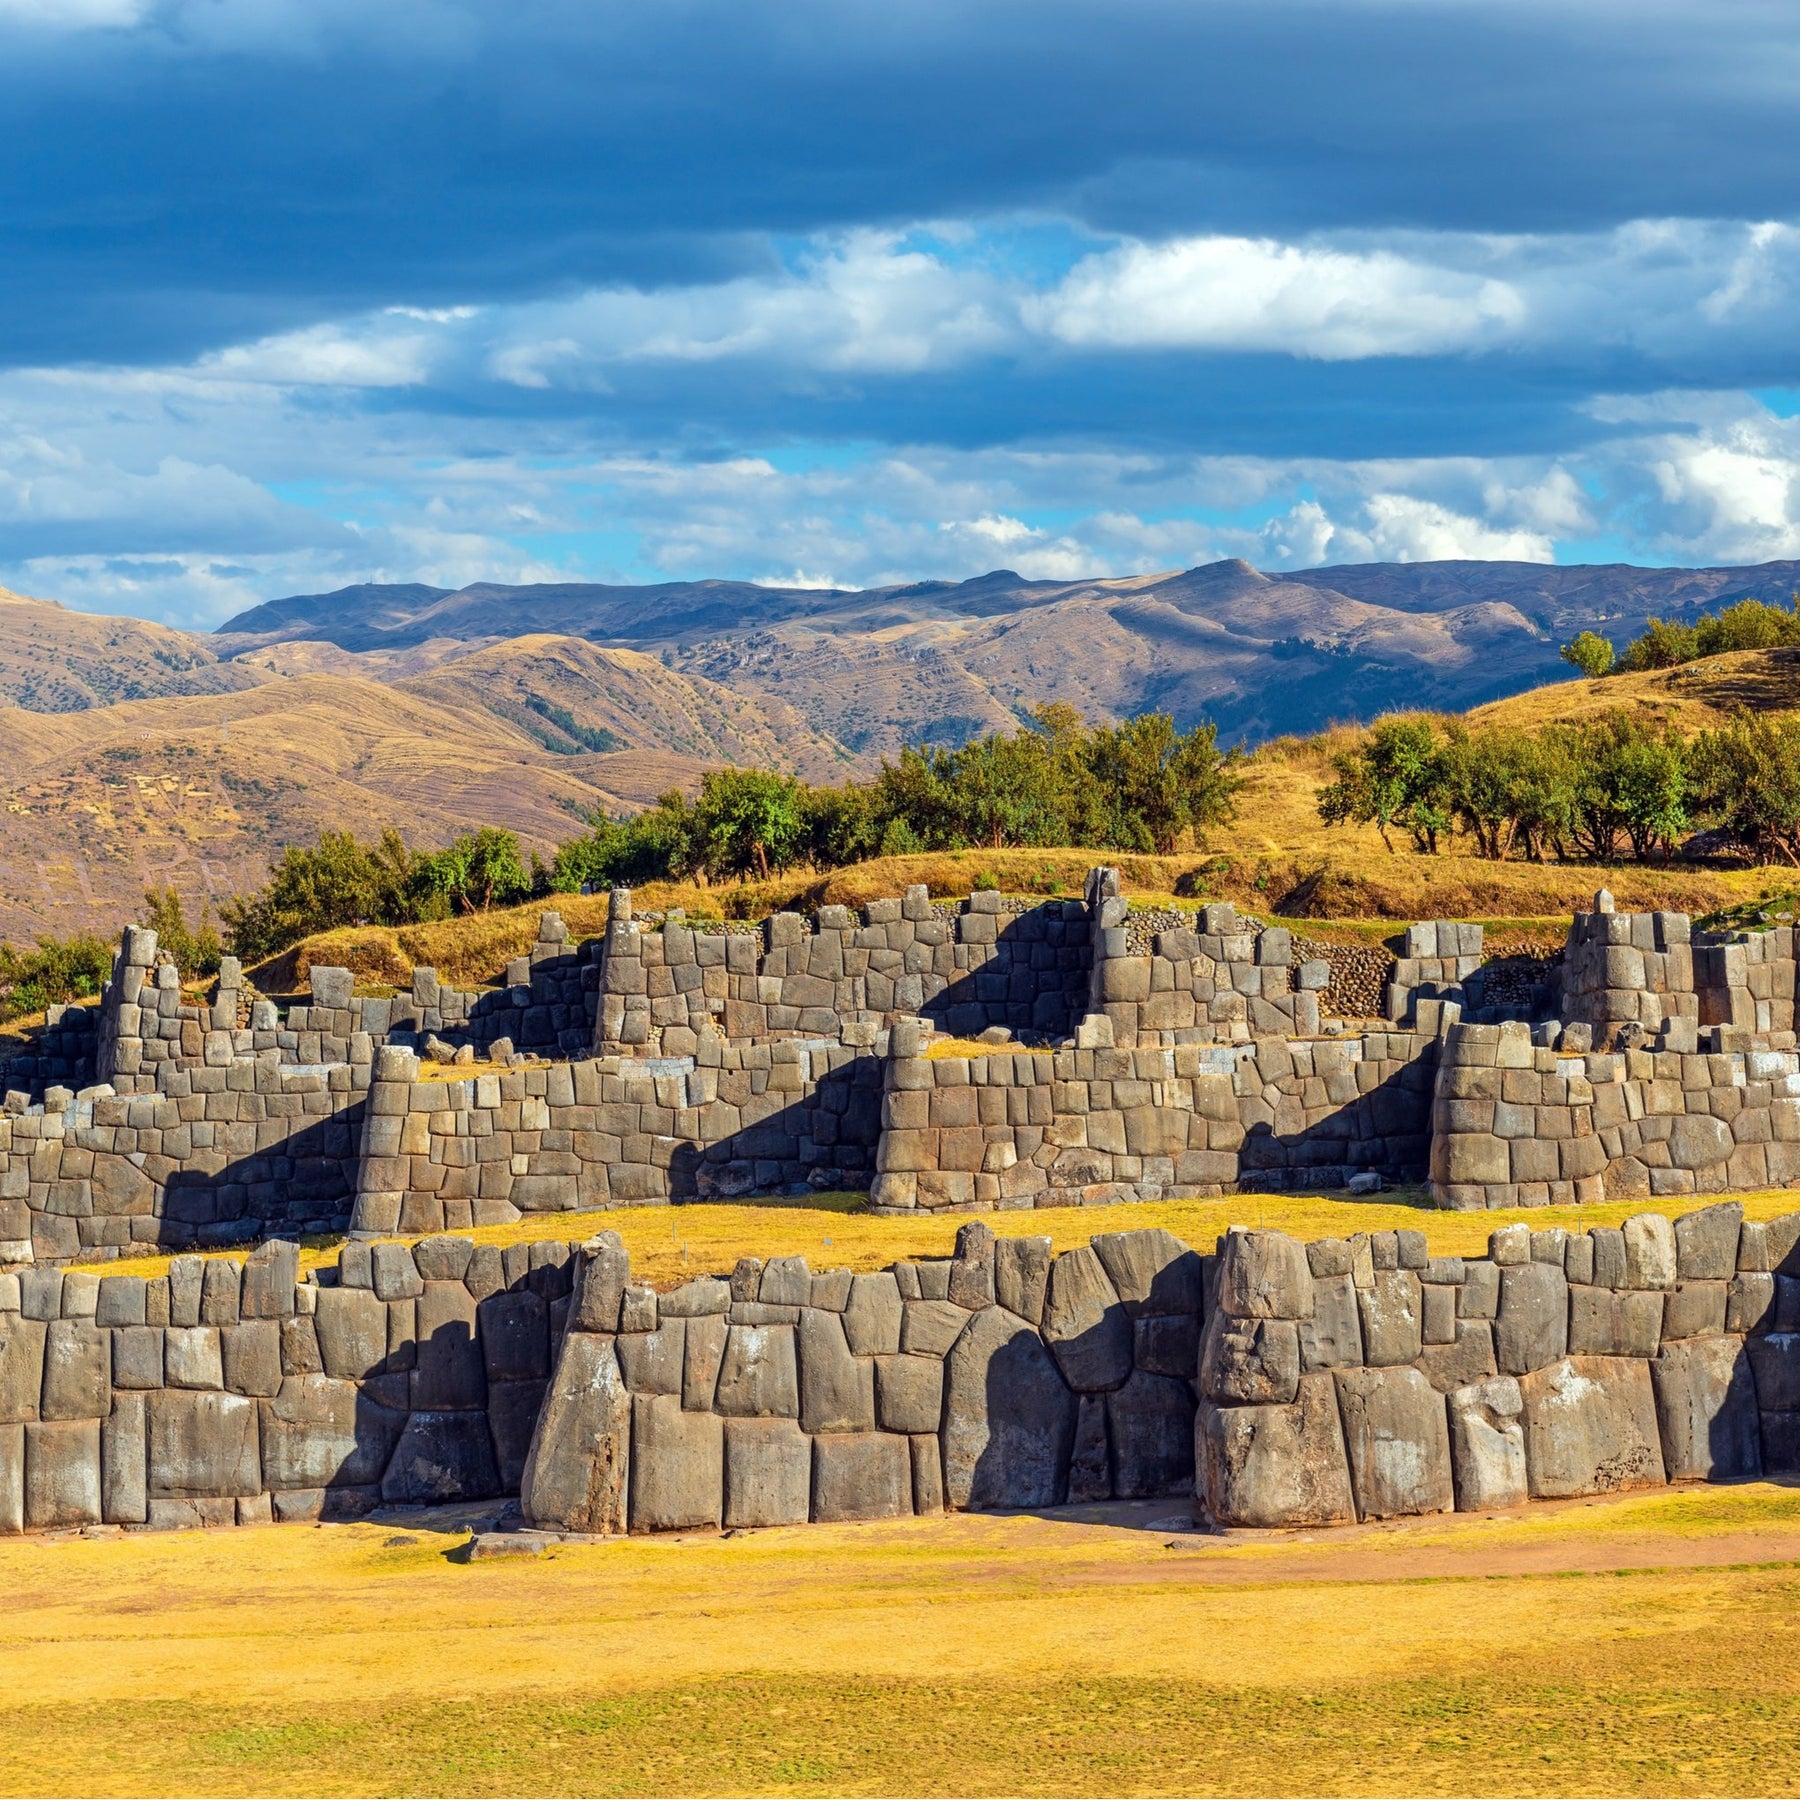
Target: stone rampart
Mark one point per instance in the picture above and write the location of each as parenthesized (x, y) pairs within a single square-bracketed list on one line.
[(1282, 1383)]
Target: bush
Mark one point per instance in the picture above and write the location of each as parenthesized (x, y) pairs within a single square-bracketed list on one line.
[(1747, 625), (1592, 654), (58, 970), (197, 952)]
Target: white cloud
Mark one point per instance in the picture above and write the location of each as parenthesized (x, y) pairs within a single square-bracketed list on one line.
[(1230, 293)]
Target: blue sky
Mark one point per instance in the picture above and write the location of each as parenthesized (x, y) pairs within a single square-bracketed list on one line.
[(295, 293)]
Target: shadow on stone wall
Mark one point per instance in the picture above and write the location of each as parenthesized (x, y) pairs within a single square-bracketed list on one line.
[(1017, 986), (825, 1139), (1387, 1129)]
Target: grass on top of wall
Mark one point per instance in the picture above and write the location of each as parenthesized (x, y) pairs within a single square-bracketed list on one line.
[(670, 1243)]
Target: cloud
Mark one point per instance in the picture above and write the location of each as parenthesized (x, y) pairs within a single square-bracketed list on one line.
[(1224, 293)]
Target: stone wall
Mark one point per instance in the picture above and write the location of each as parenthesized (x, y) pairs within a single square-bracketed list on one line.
[(232, 1392), (1083, 1126), (1283, 1383), (1364, 1379)]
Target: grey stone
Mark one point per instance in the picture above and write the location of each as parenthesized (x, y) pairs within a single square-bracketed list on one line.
[(1533, 1328), (121, 1300), (1650, 1246), (768, 1473), (1264, 1275), (1775, 1359), (1169, 1345), (448, 1372), (191, 1357), (1150, 1422), (930, 1327), (705, 1355), (137, 1361), (319, 1431), (1250, 1362), (1275, 1465), (443, 1258), (186, 1273), (972, 1267), (872, 1317), (512, 1415), (861, 1475), (62, 1474), (21, 1367), (909, 1393), (1609, 1256), (1706, 1409), (927, 1476), (1153, 1272), (1392, 1315), (393, 1271), (250, 1356), (603, 1274), (1085, 1325), (758, 1377), (1469, 1359), (830, 1289), (1487, 1445), (1022, 1275), (1479, 1295), (270, 1273), (577, 1467), (124, 1464), (1590, 1427), (221, 1286), (353, 1332), (442, 1456), (654, 1362), (514, 1328), (1009, 1419), (1750, 1302), (837, 1390), (12, 1479), (203, 1445), (1397, 1440), (699, 1298), (1605, 1322), (638, 1312), (1090, 1457), (1706, 1242), (786, 1281), (77, 1371), (1694, 1309), (677, 1464)]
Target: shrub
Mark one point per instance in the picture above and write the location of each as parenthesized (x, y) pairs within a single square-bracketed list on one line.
[(1592, 654), (59, 969)]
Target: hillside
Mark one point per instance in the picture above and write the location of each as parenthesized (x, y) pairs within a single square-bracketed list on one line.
[(53, 660), (203, 792), (1692, 697), (1259, 654)]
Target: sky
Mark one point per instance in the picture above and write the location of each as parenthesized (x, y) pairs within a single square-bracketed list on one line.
[(300, 293)]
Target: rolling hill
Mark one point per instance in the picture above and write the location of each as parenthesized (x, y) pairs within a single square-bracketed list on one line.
[(1258, 654)]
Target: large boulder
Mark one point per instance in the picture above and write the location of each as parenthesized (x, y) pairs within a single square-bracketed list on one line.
[(577, 1466), (1706, 1408), (1153, 1272), (1397, 1441), (1392, 1318), (1275, 1465), (1533, 1327), (768, 1473), (1150, 1423), (1009, 1418), (837, 1389), (62, 1474), (759, 1377), (1487, 1444), (204, 1445), (1590, 1427), (1332, 1337), (677, 1465), (1264, 1275), (1086, 1324), (321, 1432), (861, 1475), (442, 1456), (1250, 1362)]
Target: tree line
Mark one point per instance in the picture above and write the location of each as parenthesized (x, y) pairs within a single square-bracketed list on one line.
[(1617, 786), (1056, 782), (1667, 643)]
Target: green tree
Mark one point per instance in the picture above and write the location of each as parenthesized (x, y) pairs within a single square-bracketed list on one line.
[(480, 870), (338, 882), (1162, 785), (1747, 783), (57, 970), (749, 821), (197, 951), (1592, 654), (1399, 776)]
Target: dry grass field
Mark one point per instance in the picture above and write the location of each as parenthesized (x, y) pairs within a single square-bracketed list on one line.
[(1630, 1646)]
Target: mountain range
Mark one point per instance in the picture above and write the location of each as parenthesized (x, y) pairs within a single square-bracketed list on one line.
[(139, 754)]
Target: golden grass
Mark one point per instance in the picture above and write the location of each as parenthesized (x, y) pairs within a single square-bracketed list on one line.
[(940, 1048), (1639, 1645), (670, 1243)]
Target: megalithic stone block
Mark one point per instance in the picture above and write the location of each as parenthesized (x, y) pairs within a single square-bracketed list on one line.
[(1275, 1465), (1009, 1418), (1590, 1427), (1487, 1445), (1398, 1442), (578, 1467), (1706, 1409)]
